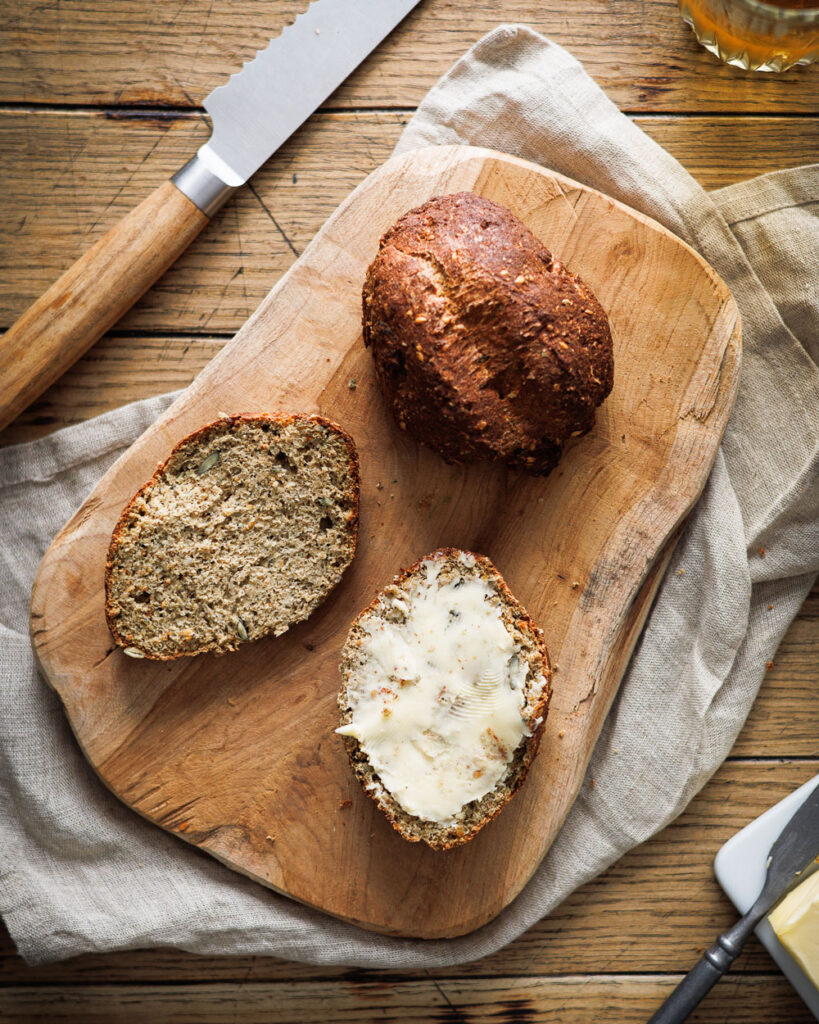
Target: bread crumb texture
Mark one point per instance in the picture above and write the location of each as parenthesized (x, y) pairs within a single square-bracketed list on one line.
[(446, 686), (485, 345), (242, 532)]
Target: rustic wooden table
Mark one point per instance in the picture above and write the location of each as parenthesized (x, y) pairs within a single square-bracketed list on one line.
[(98, 104)]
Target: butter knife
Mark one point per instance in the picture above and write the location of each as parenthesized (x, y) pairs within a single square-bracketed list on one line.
[(791, 859)]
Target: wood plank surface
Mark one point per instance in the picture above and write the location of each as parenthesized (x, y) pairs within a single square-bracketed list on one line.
[(616, 999), (784, 720), (71, 170), (159, 735), (70, 177), (92, 295), (132, 52), (665, 890)]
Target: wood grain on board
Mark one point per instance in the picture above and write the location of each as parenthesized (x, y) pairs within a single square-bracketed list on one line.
[(193, 745), (69, 177), (663, 893), (134, 52), (69, 174)]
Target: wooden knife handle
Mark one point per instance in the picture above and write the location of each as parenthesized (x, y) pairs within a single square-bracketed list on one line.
[(92, 295)]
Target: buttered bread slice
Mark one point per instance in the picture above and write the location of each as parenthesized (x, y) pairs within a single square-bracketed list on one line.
[(446, 688)]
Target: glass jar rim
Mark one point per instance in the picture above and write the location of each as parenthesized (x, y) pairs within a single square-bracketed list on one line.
[(797, 14)]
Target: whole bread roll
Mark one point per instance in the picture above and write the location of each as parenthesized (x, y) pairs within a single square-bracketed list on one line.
[(485, 345)]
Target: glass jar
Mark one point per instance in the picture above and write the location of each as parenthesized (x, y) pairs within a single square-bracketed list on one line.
[(758, 35)]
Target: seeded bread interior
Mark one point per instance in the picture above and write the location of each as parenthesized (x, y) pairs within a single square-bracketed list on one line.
[(242, 532), (427, 711)]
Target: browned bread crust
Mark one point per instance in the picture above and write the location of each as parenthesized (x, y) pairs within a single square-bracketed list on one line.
[(130, 564), (485, 345), (478, 813)]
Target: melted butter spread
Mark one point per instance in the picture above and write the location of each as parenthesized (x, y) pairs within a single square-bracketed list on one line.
[(437, 700)]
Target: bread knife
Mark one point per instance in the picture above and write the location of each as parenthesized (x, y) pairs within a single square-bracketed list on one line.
[(791, 859), (253, 114)]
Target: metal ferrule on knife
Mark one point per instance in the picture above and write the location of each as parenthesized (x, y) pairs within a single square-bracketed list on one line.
[(252, 115), (204, 188)]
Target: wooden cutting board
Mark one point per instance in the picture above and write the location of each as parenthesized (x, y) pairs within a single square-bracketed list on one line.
[(237, 755)]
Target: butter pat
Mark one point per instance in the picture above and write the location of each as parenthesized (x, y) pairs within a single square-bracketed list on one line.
[(795, 920), (438, 696)]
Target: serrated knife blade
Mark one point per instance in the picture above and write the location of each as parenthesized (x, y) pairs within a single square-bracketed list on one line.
[(264, 103), (274, 94), (253, 114)]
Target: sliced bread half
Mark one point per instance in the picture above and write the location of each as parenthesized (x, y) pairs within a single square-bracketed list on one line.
[(243, 531), (446, 685)]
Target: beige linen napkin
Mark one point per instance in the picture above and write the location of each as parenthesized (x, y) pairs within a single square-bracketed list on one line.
[(80, 872)]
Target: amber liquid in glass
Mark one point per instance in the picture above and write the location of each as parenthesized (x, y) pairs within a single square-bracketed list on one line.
[(769, 36)]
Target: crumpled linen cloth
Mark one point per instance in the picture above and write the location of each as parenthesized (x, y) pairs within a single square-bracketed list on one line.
[(81, 872)]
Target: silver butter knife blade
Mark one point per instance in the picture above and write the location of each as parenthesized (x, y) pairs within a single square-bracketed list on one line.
[(792, 856), (274, 94)]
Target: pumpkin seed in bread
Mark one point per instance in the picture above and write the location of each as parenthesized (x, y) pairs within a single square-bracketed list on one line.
[(242, 532), (446, 685)]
